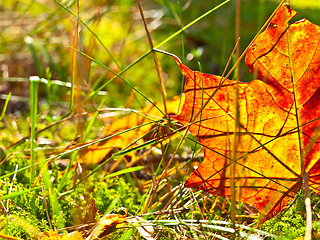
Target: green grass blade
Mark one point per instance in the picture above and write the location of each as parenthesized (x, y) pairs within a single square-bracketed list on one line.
[(5, 107), (91, 122), (55, 205), (118, 75), (30, 42), (191, 23), (34, 85), (64, 181), (12, 195), (124, 171), (113, 204)]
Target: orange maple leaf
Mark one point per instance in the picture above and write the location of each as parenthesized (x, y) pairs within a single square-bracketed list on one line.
[(279, 118)]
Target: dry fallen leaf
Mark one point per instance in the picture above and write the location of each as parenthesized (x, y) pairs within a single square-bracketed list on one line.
[(145, 229), (107, 224), (95, 153)]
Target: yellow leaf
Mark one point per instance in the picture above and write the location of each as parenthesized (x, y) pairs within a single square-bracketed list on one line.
[(49, 235), (73, 236), (97, 152), (108, 224)]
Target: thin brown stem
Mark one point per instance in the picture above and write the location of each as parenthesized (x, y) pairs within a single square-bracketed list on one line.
[(11, 186), (155, 58), (45, 203), (237, 127), (238, 21), (74, 59)]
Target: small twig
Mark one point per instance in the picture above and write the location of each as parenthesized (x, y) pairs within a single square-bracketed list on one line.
[(157, 158), (74, 60), (197, 204), (167, 212), (155, 58), (4, 207), (4, 236), (11, 186), (45, 203), (167, 53)]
